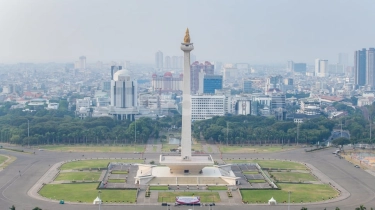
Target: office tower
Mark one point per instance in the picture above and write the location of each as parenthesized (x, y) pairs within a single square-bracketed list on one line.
[(290, 66), (195, 69), (82, 62), (167, 64), (212, 83), (343, 59), (246, 85), (123, 90), (299, 68), (159, 60), (114, 69), (370, 67), (321, 68), (360, 67)]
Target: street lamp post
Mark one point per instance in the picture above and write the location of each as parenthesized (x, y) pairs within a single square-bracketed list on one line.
[(100, 200), (289, 200)]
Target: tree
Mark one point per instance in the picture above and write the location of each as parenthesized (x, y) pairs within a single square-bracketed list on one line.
[(12, 208), (337, 208), (303, 208), (37, 208), (361, 207), (341, 141)]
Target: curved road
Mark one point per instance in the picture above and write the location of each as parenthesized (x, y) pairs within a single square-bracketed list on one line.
[(22, 174)]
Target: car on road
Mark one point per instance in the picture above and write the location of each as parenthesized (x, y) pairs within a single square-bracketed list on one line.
[(357, 166)]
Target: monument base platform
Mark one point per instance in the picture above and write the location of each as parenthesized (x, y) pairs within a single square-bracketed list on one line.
[(192, 165)]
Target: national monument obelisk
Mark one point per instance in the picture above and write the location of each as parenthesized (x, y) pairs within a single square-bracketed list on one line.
[(186, 163), (186, 100)]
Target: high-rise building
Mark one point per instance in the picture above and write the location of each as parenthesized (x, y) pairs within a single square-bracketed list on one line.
[(370, 67), (195, 69), (246, 85), (167, 83), (290, 66), (82, 62), (321, 68), (360, 67), (123, 90), (167, 63), (175, 62), (159, 60), (299, 68), (212, 83), (114, 69), (207, 106)]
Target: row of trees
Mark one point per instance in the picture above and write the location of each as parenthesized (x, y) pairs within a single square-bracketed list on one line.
[(60, 127)]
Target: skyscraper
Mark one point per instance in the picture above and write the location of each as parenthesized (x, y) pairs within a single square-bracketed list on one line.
[(195, 68), (82, 62), (167, 63), (370, 67), (299, 68), (343, 59), (321, 68), (159, 60), (212, 83), (360, 67)]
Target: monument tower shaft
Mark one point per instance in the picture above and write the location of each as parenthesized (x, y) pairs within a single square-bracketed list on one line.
[(186, 100)]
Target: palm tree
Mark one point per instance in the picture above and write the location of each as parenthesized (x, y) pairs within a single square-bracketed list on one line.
[(361, 207), (12, 208)]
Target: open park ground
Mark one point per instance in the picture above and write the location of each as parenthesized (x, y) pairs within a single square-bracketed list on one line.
[(94, 164), (304, 193), (291, 176), (168, 147), (2, 159), (86, 193), (254, 149), (78, 176), (95, 148), (205, 197), (274, 164)]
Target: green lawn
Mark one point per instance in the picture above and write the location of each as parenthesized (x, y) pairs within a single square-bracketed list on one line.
[(217, 188), (278, 164), (209, 149), (253, 149), (2, 159), (78, 176), (116, 180), (159, 188), (100, 163), (86, 193), (299, 193), (168, 147), (294, 177), (206, 197), (119, 172), (94, 148), (154, 148), (257, 180)]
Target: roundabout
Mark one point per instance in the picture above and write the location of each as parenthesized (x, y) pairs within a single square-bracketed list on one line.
[(19, 178)]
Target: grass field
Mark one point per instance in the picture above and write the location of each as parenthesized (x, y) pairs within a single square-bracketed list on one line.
[(217, 188), (116, 180), (299, 193), (119, 172), (294, 177), (2, 159), (159, 188), (92, 148), (206, 197), (101, 163), (168, 147), (78, 176), (257, 180), (254, 149), (86, 193), (278, 164)]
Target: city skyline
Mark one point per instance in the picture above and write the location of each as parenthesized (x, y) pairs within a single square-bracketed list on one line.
[(256, 32)]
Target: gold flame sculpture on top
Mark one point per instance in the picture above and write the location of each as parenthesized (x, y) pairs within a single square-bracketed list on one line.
[(187, 36)]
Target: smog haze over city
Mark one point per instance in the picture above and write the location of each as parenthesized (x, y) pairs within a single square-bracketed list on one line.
[(166, 104), (252, 31)]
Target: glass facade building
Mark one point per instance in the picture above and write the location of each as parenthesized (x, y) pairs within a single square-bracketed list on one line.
[(212, 82)]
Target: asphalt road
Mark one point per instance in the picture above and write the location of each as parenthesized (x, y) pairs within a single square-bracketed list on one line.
[(14, 188)]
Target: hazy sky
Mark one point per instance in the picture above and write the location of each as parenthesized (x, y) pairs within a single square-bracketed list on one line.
[(253, 31)]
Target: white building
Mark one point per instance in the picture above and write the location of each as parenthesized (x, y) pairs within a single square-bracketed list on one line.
[(123, 96), (310, 106), (207, 106), (159, 60), (321, 68)]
